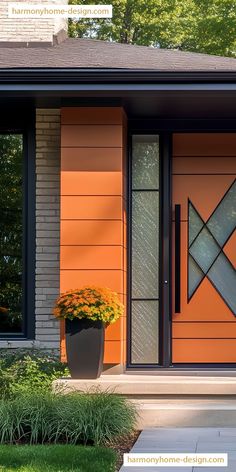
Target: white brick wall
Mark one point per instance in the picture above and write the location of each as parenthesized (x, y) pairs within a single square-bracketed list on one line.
[(30, 29), (47, 225)]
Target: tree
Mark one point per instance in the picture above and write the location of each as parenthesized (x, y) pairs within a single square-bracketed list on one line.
[(191, 25), (11, 232)]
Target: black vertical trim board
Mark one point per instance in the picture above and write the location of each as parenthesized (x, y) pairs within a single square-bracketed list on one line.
[(23, 122), (129, 255), (30, 227)]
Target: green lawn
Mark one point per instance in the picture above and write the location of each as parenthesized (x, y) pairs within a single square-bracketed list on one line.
[(58, 458)]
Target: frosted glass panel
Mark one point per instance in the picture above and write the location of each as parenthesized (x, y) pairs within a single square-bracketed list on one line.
[(195, 223), (195, 276), (145, 162), (204, 250), (223, 220), (144, 333), (145, 250), (223, 277), (145, 247)]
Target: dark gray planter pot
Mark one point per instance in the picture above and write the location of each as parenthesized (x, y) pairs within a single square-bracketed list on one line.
[(85, 348)]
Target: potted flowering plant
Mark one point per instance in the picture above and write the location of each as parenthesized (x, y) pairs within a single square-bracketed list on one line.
[(87, 311)]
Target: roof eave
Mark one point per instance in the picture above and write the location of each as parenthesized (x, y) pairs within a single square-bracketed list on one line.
[(109, 79)]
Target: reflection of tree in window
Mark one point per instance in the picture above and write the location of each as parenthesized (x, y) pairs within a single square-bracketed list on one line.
[(11, 233)]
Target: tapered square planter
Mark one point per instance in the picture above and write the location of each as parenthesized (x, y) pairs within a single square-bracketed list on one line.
[(85, 348)]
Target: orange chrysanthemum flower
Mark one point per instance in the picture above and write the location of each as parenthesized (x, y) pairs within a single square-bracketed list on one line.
[(95, 303)]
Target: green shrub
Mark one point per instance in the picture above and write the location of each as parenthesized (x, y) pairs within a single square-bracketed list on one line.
[(77, 418), (27, 371)]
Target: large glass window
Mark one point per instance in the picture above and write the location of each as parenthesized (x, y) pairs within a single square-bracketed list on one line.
[(145, 250), (11, 233)]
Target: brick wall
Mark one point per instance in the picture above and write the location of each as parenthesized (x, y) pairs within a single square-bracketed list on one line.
[(47, 225), (30, 29)]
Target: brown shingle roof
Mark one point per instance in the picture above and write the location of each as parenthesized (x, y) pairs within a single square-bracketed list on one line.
[(87, 53)]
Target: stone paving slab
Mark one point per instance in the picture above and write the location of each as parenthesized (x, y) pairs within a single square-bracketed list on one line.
[(222, 440)]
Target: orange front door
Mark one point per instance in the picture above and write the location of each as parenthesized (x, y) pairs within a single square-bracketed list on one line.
[(204, 248)]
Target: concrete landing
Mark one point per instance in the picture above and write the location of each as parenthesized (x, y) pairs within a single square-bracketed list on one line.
[(186, 440), (133, 385)]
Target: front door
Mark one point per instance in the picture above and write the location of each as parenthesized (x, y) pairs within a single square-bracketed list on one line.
[(204, 248)]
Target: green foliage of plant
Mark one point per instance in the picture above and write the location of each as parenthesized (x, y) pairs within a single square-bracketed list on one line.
[(203, 26), (11, 232), (30, 371), (56, 458), (76, 418)]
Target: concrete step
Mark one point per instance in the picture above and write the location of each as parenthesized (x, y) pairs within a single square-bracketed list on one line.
[(196, 412), (155, 385)]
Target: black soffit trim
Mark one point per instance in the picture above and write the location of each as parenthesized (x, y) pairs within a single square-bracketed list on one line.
[(113, 76)]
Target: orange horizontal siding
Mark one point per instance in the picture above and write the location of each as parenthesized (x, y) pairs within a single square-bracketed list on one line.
[(91, 207), (91, 183), (91, 159), (204, 350), (204, 144), (91, 257), (91, 136), (94, 232), (113, 331), (91, 115), (113, 279), (112, 352)]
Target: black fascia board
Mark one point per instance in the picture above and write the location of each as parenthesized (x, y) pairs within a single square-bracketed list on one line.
[(68, 79)]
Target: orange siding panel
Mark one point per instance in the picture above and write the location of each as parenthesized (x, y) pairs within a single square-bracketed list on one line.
[(91, 136), (91, 159), (204, 350), (91, 257), (91, 115), (112, 352), (113, 331), (72, 279), (91, 183), (94, 232), (91, 207), (93, 189), (204, 144)]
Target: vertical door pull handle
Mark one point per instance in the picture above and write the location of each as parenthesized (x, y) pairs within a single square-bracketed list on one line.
[(177, 258)]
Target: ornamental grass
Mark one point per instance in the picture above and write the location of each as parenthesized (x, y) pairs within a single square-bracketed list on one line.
[(93, 418)]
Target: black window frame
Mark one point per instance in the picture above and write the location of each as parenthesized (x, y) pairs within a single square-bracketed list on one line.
[(165, 242), (22, 121)]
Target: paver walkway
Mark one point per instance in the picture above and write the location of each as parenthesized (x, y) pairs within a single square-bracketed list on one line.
[(183, 440)]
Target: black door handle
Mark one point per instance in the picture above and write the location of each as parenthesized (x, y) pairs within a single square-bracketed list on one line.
[(177, 258)]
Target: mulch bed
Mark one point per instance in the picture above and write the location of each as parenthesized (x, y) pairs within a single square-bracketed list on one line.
[(124, 446)]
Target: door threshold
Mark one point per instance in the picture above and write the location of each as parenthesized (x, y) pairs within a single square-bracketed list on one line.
[(198, 371)]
